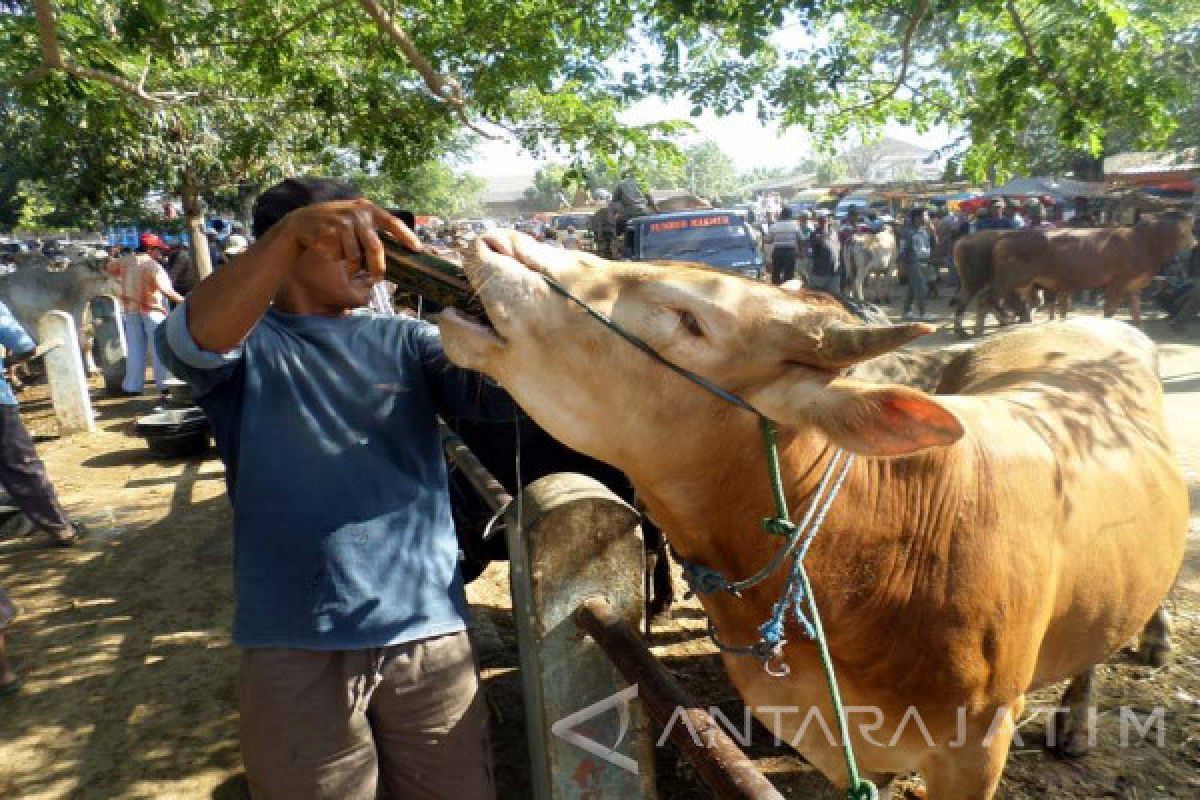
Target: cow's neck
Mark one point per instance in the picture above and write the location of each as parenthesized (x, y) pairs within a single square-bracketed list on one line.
[(712, 490)]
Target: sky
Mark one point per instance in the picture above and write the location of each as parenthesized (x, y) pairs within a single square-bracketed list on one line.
[(743, 137)]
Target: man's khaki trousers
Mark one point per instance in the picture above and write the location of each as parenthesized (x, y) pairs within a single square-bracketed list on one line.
[(337, 725)]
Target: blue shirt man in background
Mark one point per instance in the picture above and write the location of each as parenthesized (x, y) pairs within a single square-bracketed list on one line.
[(23, 475), (995, 220), (356, 667)]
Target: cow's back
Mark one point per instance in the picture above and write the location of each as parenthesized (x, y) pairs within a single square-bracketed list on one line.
[(1091, 507), (33, 290)]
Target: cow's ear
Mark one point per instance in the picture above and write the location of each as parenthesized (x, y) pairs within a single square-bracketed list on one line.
[(869, 419)]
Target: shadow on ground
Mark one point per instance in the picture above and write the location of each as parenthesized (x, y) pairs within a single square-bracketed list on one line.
[(129, 676)]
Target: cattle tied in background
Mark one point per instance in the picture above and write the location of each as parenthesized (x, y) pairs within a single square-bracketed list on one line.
[(1008, 265), (1007, 533), (40, 284)]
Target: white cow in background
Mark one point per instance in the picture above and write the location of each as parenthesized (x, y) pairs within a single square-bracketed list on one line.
[(870, 257)]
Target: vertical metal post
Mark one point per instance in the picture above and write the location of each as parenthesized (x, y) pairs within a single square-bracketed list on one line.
[(569, 539), (65, 373)]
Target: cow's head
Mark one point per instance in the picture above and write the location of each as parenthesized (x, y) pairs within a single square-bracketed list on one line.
[(783, 352), (1168, 232)]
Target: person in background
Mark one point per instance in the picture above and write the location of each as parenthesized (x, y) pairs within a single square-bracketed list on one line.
[(181, 269), (1037, 216), (550, 237), (357, 673), (571, 239), (950, 228), (10, 682), (1188, 307), (145, 289), (824, 246), (915, 250), (1013, 214), (22, 473), (995, 219), (237, 242), (804, 221), (216, 256), (783, 237)]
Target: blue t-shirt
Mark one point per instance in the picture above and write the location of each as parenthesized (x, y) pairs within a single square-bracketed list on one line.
[(343, 537), (16, 341)]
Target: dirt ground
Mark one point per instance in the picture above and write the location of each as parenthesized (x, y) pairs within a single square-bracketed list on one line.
[(123, 642)]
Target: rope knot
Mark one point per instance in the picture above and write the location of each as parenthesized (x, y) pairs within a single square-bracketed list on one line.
[(778, 526), (702, 580), (864, 791)]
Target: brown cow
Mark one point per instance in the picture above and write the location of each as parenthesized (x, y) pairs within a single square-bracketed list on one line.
[(973, 260), (1003, 536), (1121, 261)]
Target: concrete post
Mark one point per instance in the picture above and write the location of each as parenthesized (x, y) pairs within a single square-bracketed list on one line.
[(570, 539), (66, 375), (108, 344)]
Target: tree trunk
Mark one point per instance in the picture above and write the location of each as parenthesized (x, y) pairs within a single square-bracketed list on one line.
[(247, 194), (193, 214)]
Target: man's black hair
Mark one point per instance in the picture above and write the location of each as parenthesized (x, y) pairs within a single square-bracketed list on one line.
[(275, 203), (786, 213), (405, 216)]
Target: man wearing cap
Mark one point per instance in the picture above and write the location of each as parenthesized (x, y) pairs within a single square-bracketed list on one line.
[(995, 219), (237, 243), (356, 668), (145, 288)]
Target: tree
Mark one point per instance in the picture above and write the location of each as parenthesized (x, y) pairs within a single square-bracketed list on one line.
[(201, 98), (437, 188), (547, 192), (708, 171), (826, 168), (206, 102), (984, 66)]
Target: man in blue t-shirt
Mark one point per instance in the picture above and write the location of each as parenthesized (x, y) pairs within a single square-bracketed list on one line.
[(356, 667), (21, 471), (23, 475)]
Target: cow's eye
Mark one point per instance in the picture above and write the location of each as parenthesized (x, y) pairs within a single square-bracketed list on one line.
[(690, 324)]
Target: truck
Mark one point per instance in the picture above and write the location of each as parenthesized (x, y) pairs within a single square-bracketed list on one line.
[(719, 238)]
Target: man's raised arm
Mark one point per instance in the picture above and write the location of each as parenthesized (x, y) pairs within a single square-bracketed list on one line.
[(227, 304)]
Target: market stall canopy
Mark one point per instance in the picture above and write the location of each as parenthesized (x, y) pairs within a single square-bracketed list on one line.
[(819, 194), (1048, 187), (795, 182)]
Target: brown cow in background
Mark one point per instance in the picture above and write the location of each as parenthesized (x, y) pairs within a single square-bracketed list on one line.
[(973, 262), (1006, 266)]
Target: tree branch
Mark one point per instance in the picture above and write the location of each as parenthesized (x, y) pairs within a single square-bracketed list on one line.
[(1031, 51), (53, 60), (905, 60), (443, 87), (279, 35)]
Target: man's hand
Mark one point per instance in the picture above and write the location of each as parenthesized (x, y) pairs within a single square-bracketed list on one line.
[(225, 306), (345, 231)]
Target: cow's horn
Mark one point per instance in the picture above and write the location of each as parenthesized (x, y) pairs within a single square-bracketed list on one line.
[(843, 345)]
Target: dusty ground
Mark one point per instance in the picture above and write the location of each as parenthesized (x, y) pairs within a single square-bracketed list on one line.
[(123, 643)]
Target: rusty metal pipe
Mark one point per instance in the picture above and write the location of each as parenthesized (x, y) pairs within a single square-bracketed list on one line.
[(717, 759), (490, 489)]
